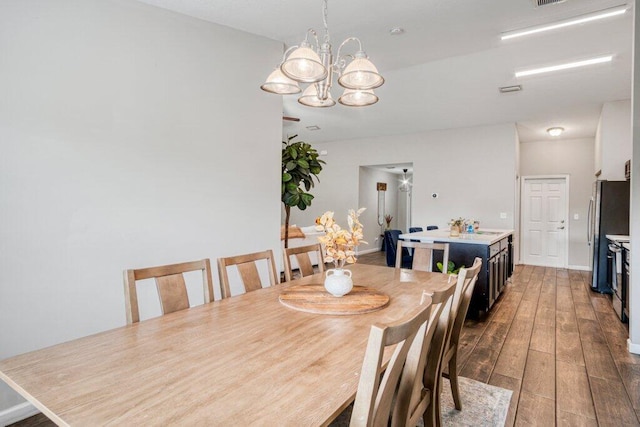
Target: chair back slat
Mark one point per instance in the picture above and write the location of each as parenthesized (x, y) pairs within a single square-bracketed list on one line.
[(250, 276), (304, 264), (248, 271), (302, 254), (172, 291), (423, 254), (170, 286)]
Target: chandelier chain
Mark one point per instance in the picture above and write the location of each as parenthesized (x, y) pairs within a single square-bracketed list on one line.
[(325, 13)]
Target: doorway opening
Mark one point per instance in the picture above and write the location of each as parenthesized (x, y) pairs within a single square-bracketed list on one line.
[(392, 204)]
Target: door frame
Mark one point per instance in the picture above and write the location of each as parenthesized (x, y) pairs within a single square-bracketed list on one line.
[(523, 181)]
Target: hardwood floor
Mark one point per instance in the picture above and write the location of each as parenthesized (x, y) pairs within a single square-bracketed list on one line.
[(558, 347)]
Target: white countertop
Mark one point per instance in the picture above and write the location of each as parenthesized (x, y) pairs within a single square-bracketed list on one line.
[(481, 237), (618, 238)]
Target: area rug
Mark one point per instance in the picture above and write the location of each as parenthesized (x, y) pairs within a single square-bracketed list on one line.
[(482, 405)]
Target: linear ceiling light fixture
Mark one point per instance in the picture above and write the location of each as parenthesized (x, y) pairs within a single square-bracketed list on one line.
[(582, 19), (566, 66), (315, 65)]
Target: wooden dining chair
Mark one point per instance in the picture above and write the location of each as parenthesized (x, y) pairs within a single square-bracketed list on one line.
[(417, 397), (376, 399), (170, 285), (305, 266), (467, 278), (423, 254), (248, 270)]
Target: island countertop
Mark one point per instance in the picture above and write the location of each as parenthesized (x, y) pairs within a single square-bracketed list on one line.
[(481, 237)]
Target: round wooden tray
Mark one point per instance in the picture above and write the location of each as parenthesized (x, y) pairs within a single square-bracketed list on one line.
[(315, 299)]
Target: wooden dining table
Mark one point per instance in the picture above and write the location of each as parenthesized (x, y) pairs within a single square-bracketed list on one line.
[(244, 360)]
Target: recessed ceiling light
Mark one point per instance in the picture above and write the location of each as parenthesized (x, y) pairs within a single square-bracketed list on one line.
[(313, 127), (602, 14), (555, 131), (566, 66), (396, 31)]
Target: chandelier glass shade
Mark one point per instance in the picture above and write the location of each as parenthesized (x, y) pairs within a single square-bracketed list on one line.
[(361, 74), (278, 83), (358, 98), (316, 66), (304, 65), (310, 98)]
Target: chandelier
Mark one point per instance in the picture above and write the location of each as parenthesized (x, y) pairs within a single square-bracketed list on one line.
[(405, 184), (315, 65)]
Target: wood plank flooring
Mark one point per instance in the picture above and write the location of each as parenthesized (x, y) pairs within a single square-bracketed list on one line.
[(558, 347)]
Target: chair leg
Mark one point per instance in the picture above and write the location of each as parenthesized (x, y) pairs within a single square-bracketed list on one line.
[(453, 380)]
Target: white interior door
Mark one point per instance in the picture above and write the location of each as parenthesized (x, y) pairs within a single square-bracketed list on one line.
[(544, 222)]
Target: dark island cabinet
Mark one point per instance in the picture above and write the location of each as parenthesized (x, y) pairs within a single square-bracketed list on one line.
[(497, 268)]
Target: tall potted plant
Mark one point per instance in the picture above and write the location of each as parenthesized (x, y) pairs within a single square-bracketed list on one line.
[(300, 165)]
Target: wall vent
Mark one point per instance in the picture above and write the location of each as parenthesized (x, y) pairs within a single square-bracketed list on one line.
[(538, 3)]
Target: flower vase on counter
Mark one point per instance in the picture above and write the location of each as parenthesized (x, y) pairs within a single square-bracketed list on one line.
[(456, 227)]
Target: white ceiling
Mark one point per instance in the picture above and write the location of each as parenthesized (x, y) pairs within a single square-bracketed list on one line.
[(445, 70)]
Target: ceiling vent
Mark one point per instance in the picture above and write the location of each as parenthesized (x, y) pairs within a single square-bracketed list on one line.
[(538, 3)]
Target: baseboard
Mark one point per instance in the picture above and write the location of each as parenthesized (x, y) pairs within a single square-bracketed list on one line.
[(579, 267), (368, 251), (17, 413), (633, 348)]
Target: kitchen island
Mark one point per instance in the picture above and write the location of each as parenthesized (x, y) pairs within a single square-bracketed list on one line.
[(494, 247)]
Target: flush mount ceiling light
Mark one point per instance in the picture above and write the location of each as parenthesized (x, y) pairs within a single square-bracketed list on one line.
[(315, 65), (582, 19), (566, 66), (555, 131)]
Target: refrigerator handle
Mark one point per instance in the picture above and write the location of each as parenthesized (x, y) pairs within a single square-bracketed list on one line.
[(589, 236)]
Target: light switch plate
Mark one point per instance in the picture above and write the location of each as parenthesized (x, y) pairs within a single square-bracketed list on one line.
[(576, 216), (503, 215)]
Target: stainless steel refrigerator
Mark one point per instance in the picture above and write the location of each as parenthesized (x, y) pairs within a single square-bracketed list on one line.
[(608, 214)]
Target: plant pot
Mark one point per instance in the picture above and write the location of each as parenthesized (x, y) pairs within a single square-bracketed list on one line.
[(454, 231), (338, 281)]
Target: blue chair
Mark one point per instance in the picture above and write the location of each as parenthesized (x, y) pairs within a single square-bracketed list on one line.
[(432, 227), (415, 230), (391, 246)]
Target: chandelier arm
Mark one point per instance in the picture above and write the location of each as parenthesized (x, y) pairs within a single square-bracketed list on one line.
[(315, 36), (347, 41), (284, 55)]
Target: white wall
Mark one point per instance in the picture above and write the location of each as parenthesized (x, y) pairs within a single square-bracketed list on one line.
[(573, 157), (130, 136), (472, 169), (613, 140)]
